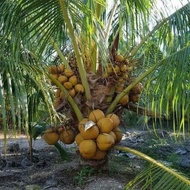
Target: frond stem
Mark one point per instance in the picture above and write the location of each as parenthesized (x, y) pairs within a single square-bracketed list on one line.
[(135, 50), (154, 162), (128, 88), (78, 56), (62, 57)]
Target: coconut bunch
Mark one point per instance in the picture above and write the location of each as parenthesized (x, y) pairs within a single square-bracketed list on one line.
[(120, 72), (98, 133), (68, 78), (108, 83), (135, 92), (65, 134), (105, 85)]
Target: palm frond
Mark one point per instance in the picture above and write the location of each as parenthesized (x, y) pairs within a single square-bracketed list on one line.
[(157, 176), (170, 89)]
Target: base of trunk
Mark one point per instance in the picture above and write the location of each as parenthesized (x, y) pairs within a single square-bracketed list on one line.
[(99, 164)]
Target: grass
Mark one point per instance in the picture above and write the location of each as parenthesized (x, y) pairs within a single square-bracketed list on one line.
[(82, 175)]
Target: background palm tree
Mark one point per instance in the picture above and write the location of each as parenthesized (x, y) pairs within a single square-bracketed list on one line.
[(86, 37)]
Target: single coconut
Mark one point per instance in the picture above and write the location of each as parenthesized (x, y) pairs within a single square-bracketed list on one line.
[(119, 58), (67, 136), (113, 135), (123, 68), (68, 72), (72, 92), (118, 134), (96, 115), (105, 125), (61, 68), (105, 141), (79, 88), (124, 100), (90, 133), (115, 119), (87, 148), (62, 79), (73, 80), (116, 69), (67, 85), (51, 136), (82, 123), (78, 138)]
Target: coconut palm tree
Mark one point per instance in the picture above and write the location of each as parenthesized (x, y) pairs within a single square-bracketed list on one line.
[(110, 51)]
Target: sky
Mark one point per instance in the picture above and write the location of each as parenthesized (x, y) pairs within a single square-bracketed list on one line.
[(171, 5)]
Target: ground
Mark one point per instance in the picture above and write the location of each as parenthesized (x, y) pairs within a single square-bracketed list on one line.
[(48, 171)]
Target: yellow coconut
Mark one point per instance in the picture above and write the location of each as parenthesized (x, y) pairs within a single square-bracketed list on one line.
[(79, 88), (124, 100), (99, 155), (61, 68), (82, 123), (123, 68), (125, 76), (87, 148), (119, 58), (51, 136), (62, 79), (109, 70), (67, 136), (67, 85), (118, 134), (116, 69), (72, 92), (115, 119), (73, 80), (78, 138), (96, 115), (121, 80), (90, 133), (105, 141), (53, 69), (105, 125), (68, 72), (113, 135)]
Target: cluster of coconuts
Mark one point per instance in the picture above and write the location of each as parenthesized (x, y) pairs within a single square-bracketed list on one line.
[(98, 134), (68, 79), (65, 134), (120, 71)]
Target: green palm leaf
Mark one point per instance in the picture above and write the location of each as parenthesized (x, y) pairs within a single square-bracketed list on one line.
[(157, 176)]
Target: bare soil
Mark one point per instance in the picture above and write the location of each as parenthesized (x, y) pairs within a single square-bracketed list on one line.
[(47, 170)]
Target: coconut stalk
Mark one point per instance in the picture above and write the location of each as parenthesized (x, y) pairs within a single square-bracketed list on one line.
[(78, 56), (62, 57)]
